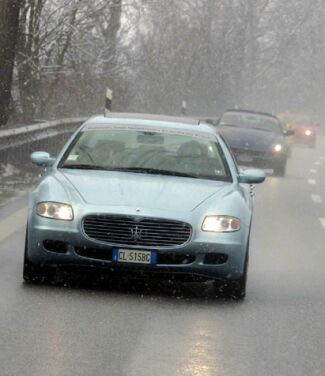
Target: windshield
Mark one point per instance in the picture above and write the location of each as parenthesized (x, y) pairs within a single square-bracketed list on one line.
[(149, 152), (251, 121)]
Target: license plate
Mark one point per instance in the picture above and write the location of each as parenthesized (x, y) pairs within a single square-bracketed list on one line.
[(245, 158), (134, 256)]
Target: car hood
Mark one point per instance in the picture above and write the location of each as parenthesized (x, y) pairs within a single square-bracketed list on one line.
[(143, 190), (250, 139)]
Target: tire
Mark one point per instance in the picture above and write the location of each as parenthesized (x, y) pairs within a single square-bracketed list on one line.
[(236, 288), (33, 273), (279, 169), (290, 151)]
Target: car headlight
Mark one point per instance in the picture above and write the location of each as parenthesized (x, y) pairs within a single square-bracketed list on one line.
[(308, 132), (55, 210), (220, 223), (277, 148)]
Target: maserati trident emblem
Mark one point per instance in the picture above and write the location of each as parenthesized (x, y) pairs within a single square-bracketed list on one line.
[(136, 233)]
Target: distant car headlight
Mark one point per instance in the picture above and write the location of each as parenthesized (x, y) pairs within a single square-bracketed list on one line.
[(277, 148), (308, 132), (218, 223), (55, 210)]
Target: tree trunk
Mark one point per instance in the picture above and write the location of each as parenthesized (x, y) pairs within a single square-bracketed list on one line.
[(9, 20), (28, 56)]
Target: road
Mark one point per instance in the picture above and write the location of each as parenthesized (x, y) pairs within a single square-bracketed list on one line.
[(135, 329)]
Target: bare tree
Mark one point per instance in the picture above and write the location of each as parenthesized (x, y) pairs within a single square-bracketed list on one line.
[(67, 46), (154, 54), (28, 56), (9, 11)]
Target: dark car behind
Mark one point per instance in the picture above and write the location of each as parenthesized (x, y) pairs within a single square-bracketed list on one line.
[(256, 139)]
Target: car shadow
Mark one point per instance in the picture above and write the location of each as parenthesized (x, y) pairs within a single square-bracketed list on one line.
[(153, 288)]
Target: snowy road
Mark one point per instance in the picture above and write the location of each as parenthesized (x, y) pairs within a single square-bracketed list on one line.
[(132, 330)]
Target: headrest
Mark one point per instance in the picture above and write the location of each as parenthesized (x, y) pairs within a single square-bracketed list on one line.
[(190, 149)]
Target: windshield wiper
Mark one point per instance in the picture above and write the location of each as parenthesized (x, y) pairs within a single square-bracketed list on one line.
[(83, 166), (154, 171), (229, 125), (262, 129)]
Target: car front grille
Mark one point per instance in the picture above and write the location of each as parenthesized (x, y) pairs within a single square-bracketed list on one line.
[(252, 153), (136, 231)]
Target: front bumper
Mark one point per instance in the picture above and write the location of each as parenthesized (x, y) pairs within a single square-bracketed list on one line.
[(208, 255), (260, 159)]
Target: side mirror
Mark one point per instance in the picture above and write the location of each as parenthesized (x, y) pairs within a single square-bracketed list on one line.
[(251, 176), (42, 159), (289, 132)]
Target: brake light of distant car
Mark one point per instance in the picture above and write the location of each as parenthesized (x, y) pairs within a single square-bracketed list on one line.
[(55, 210), (308, 132), (217, 223), (277, 148)]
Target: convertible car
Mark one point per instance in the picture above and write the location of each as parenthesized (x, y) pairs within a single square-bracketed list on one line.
[(142, 194), (256, 139)]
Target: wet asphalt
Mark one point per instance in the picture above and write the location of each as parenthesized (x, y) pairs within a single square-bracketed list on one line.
[(90, 326)]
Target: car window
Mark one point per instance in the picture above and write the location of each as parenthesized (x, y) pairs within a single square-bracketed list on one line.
[(247, 120), (115, 149)]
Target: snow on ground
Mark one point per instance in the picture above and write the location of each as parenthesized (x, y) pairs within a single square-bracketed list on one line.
[(15, 181)]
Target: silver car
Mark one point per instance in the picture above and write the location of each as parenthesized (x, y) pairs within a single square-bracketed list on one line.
[(143, 194)]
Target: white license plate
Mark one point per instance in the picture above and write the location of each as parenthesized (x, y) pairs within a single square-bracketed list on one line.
[(134, 256)]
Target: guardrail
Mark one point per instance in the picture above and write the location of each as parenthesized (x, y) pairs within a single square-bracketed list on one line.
[(17, 136), (17, 143)]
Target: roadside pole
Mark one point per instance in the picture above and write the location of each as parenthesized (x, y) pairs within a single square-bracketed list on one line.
[(184, 107), (108, 101)]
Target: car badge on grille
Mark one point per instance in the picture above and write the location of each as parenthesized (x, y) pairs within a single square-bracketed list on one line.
[(136, 233)]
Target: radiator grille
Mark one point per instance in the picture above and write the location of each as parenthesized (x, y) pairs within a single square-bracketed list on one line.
[(250, 152), (125, 230)]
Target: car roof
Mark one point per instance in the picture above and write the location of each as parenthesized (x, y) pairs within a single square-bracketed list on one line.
[(190, 124), (140, 116), (252, 112)]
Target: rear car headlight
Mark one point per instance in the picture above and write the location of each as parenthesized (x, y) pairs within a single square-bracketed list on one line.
[(308, 132), (220, 223), (277, 147), (55, 210)]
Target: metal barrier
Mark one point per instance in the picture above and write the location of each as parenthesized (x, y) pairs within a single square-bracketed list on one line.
[(36, 131), (16, 144)]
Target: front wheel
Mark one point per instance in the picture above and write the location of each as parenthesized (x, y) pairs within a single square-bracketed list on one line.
[(33, 273), (235, 288), (232, 289), (279, 169)]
